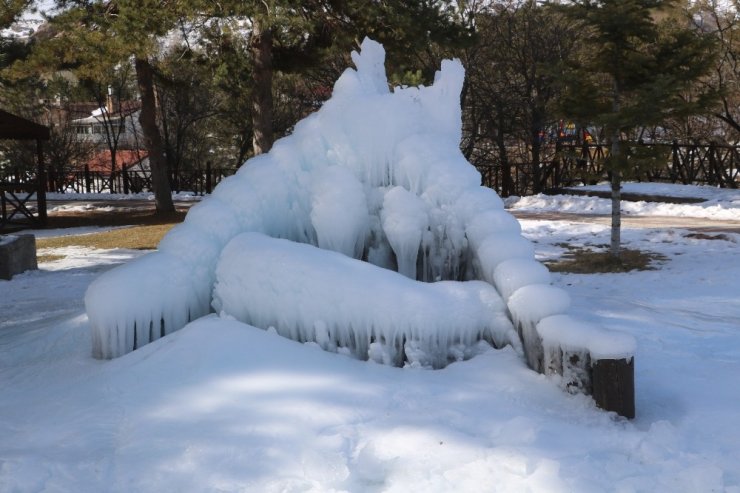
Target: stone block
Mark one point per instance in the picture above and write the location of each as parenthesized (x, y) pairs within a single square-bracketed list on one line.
[(17, 254)]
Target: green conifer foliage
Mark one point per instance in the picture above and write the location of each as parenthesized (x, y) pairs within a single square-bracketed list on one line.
[(638, 60)]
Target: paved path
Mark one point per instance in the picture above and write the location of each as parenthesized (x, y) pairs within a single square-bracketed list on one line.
[(628, 221)]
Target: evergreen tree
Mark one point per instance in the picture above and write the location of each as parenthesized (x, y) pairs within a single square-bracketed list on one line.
[(293, 35), (633, 73), (93, 38), (10, 10)]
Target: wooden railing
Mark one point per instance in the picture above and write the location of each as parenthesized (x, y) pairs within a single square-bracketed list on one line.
[(199, 181), (569, 165)]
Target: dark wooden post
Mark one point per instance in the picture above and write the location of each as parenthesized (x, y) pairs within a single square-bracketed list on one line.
[(41, 189), (124, 176), (88, 179), (613, 383), (209, 182)]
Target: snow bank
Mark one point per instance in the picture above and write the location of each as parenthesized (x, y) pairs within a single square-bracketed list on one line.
[(340, 303), (724, 204)]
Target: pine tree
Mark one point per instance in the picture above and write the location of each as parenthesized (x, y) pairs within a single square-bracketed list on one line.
[(633, 73), (10, 10), (293, 35), (92, 38)]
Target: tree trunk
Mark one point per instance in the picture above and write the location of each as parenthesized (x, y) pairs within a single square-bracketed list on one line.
[(261, 48), (536, 152), (616, 177), (152, 138), (616, 234), (507, 184)]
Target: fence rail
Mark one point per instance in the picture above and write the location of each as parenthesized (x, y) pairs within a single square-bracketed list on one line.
[(687, 164), (199, 181), (567, 165)]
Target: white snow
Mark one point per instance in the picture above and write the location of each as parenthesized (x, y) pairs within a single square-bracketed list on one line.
[(537, 301), (719, 204), (310, 294), (54, 196), (221, 406), (569, 334), (515, 273)]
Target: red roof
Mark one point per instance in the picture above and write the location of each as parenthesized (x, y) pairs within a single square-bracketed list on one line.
[(101, 160)]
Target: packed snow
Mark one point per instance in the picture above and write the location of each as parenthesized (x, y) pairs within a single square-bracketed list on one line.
[(718, 204), (222, 406), (375, 175)]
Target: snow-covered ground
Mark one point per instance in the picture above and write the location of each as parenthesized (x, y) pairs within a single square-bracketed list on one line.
[(719, 204), (222, 406)]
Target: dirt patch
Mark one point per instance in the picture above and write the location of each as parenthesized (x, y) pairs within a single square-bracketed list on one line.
[(59, 220), (584, 261), (705, 236), (628, 196)]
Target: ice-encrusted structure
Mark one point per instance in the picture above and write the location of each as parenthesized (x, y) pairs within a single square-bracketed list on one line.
[(375, 175), (310, 294)]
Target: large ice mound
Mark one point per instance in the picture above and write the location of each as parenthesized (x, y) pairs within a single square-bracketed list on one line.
[(374, 175)]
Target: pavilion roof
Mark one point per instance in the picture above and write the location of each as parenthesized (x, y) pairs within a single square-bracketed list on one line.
[(16, 128)]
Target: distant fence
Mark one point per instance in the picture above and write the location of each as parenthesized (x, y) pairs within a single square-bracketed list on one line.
[(703, 164), (567, 165), (200, 181)]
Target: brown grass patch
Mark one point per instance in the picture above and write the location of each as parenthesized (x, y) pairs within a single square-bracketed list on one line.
[(583, 261), (704, 236), (133, 238)]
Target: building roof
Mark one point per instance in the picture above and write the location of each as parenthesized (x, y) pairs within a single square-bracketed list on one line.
[(125, 159), (17, 128)]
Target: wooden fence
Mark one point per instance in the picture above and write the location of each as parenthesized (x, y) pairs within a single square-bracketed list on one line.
[(567, 165), (570, 165), (200, 181)]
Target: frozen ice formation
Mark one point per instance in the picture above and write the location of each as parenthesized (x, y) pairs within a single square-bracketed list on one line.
[(375, 175), (310, 294)]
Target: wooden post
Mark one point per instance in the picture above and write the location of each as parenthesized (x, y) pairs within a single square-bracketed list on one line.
[(209, 182), (614, 385), (41, 189), (124, 176), (88, 179)]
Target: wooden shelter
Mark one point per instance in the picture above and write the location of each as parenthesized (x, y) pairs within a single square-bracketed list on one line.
[(16, 191)]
